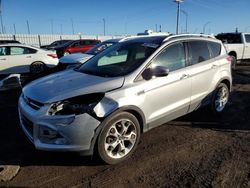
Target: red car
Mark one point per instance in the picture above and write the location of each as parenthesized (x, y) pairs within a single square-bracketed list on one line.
[(75, 46)]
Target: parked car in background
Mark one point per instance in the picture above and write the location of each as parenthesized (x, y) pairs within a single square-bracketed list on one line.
[(54, 44), (73, 60), (105, 104), (8, 41), (21, 58), (237, 45), (75, 46)]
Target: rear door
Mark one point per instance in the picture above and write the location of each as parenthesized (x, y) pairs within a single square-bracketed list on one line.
[(203, 70), (247, 46)]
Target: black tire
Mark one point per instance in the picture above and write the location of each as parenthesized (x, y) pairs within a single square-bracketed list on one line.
[(37, 67), (114, 137), (220, 98)]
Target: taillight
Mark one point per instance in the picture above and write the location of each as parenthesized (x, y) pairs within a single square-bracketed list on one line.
[(52, 55), (229, 59)]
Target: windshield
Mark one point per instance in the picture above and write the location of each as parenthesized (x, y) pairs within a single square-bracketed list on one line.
[(99, 48), (119, 60)]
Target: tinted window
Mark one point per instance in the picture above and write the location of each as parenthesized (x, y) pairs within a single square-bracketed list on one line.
[(215, 48), (173, 57), (247, 38), (230, 38), (29, 51), (198, 52)]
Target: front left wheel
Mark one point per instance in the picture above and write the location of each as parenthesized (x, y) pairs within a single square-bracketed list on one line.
[(118, 138)]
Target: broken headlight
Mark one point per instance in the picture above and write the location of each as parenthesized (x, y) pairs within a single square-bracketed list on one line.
[(76, 105)]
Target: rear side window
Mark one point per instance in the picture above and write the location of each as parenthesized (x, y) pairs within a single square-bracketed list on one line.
[(230, 38), (247, 38), (215, 49), (198, 52)]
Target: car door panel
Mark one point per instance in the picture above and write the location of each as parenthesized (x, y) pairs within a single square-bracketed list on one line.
[(167, 97)]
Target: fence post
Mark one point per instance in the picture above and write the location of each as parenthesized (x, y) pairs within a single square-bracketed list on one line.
[(14, 37), (39, 40), (60, 37)]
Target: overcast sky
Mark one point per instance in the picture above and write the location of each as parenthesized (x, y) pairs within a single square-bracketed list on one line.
[(123, 16)]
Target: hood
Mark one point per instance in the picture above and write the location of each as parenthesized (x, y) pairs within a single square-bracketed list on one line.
[(75, 58), (67, 84)]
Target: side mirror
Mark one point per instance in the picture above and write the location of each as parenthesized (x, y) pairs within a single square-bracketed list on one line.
[(158, 71)]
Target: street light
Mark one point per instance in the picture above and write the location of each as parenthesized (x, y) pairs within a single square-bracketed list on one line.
[(204, 27), (178, 14), (186, 14), (104, 26)]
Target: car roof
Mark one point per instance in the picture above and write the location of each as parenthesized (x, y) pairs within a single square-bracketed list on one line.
[(20, 45)]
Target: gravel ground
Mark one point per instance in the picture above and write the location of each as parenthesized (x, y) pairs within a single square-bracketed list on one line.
[(198, 150)]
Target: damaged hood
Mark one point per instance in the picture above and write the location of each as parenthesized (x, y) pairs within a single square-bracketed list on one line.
[(75, 58), (67, 84)]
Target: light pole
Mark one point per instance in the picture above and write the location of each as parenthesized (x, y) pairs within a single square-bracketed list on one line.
[(178, 14), (186, 14), (28, 26), (72, 25), (204, 27), (104, 26)]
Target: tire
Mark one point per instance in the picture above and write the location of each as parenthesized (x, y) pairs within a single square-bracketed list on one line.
[(118, 138), (220, 98), (37, 67)]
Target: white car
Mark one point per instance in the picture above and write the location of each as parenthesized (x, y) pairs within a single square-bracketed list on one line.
[(21, 58)]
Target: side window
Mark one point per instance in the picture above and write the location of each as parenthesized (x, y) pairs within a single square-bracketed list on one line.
[(173, 57), (247, 38), (3, 51), (17, 51), (76, 44), (198, 52), (215, 48), (29, 51)]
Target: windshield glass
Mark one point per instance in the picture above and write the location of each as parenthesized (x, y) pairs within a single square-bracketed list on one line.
[(99, 48), (119, 60)]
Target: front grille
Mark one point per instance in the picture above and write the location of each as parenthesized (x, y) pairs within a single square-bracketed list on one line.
[(32, 103), (27, 124)]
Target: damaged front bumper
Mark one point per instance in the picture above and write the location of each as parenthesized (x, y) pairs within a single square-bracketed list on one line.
[(58, 132)]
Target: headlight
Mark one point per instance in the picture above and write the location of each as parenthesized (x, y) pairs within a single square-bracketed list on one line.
[(76, 105)]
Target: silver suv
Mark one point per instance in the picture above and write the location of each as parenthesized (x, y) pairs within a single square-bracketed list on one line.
[(124, 91)]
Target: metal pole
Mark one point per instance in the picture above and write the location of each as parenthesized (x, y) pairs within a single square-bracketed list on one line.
[(204, 27), (104, 26), (28, 26), (2, 22), (52, 26), (178, 14), (186, 14), (61, 28), (14, 26), (72, 25)]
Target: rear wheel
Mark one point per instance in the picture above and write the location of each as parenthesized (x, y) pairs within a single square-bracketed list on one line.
[(37, 67), (220, 98), (118, 138)]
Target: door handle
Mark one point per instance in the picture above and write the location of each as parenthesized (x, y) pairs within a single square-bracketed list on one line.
[(214, 66), (184, 76), (28, 56), (3, 59)]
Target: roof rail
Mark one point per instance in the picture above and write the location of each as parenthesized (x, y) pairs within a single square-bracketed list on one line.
[(188, 35), (143, 36)]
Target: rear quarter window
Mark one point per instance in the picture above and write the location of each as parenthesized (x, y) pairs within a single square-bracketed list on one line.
[(215, 49), (198, 52), (247, 37)]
